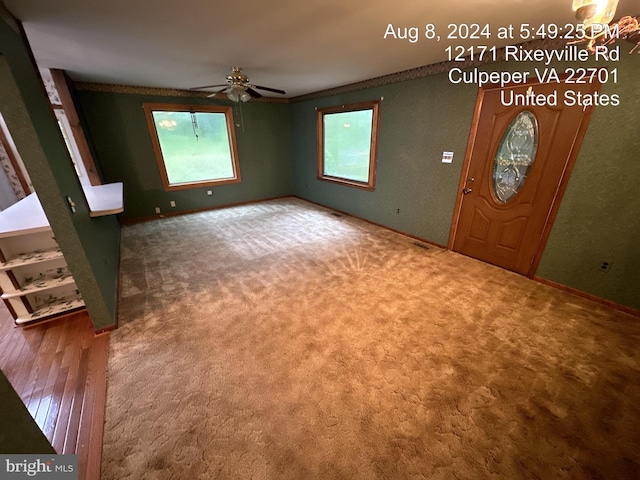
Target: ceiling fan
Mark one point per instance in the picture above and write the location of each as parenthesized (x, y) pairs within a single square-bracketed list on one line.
[(238, 88)]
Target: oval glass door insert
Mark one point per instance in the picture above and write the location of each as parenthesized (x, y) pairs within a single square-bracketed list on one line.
[(515, 156)]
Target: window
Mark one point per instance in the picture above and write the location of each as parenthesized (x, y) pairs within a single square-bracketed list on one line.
[(347, 140), (194, 145), (69, 140)]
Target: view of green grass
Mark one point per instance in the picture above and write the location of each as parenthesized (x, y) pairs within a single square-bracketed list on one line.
[(194, 151), (347, 144)]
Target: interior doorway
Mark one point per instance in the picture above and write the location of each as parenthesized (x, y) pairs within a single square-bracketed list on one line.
[(518, 162)]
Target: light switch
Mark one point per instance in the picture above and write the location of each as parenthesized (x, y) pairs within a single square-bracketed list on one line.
[(72, 205)]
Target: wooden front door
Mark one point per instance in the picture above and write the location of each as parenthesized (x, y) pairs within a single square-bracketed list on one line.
[(517, 165)]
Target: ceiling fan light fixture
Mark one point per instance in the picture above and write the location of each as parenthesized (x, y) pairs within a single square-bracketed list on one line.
[(592, 12), (596, 16), (585, 9), (238, 88), (238, 94)]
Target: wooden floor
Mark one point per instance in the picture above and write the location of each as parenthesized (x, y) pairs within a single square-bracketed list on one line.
[(59, 371)]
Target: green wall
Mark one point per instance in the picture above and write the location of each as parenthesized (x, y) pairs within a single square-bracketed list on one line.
[(419, 119), (90, 246), (599, 217), (118, 130)]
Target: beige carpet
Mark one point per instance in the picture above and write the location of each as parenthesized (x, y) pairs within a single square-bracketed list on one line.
[(280, 341)]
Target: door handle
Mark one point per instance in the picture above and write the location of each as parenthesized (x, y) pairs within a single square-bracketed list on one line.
[(466, 190)]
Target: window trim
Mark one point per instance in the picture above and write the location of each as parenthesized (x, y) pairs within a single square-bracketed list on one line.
[(149, 108), (61, 83), (373, 105)]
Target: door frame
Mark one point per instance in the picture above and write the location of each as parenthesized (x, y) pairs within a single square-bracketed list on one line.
[(562, 185)]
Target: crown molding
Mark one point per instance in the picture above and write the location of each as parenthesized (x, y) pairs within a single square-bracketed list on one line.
[(424, 71), (161, 92)]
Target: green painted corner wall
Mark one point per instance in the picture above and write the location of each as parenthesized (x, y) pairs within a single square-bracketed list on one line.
[(90, 246), (599, 216), (419, 119), (116, 125)]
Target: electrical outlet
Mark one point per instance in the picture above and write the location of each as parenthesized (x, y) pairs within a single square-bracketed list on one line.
[(209, 192), (157, 209), (172, 203), (605, 266), (398, 210)]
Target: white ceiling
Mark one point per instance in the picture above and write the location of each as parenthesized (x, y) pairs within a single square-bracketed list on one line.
[(298, 46)]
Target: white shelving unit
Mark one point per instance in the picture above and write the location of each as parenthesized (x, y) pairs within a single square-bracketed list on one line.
[(35, 281)]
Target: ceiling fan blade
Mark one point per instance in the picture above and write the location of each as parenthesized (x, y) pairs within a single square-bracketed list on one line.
[(268, 89), (213, 94), (208, 86), (253, 93)]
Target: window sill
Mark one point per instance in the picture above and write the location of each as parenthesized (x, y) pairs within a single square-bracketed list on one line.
[(348, 183)]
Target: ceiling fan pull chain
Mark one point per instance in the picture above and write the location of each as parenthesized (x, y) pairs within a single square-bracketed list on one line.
[(194, 124), (241, 117)]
